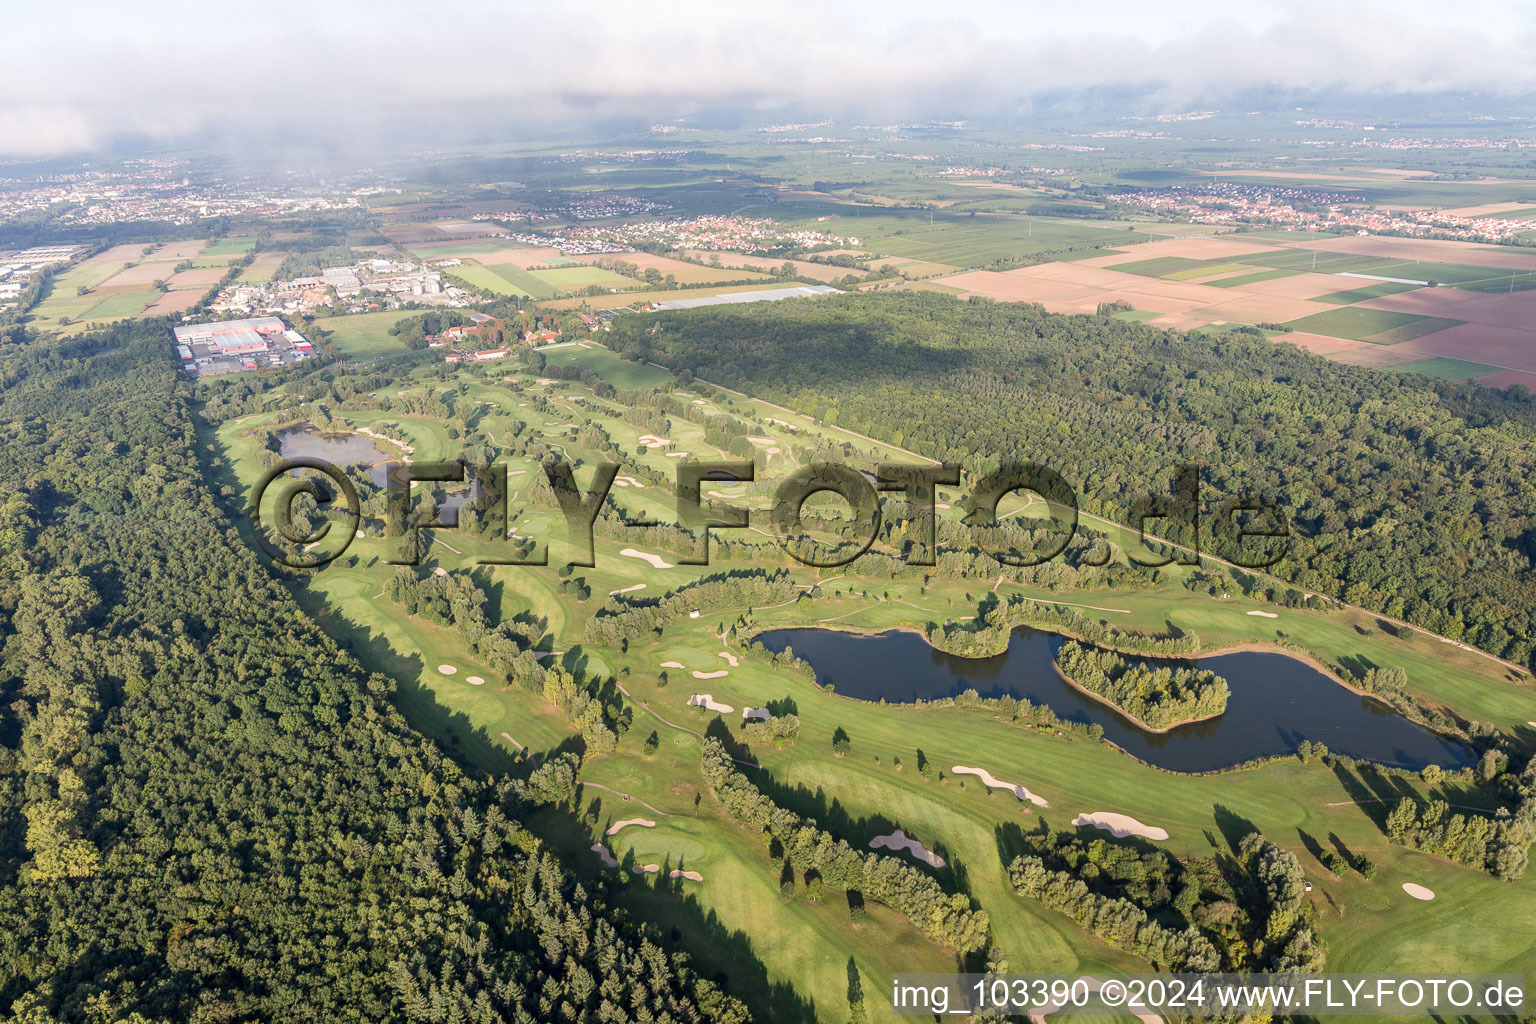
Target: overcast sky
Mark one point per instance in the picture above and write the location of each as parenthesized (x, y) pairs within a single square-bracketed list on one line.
[(74, 74)]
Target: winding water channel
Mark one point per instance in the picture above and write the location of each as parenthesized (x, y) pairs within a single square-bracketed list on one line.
[(1276, 701)]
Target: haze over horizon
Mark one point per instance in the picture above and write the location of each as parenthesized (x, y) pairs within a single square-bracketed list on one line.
[(399, 70)]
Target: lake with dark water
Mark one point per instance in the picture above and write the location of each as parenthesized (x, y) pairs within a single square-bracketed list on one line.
[(1276, 701)]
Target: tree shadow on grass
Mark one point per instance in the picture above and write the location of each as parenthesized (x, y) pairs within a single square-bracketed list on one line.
[(663, 908), (471, 746), (1234, 827)]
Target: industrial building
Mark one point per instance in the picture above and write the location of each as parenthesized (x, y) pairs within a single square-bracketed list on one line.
[(229, 346)]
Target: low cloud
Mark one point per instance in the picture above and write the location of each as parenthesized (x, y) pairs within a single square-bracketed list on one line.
[(395, 69)]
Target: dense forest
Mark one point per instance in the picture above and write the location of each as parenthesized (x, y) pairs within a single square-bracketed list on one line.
[(209, 811), (1413, 498)]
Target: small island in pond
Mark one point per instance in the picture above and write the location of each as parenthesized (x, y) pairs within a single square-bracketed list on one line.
[(1159, 698)]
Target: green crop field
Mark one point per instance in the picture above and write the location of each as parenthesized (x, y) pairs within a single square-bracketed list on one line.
[(1359, 324), (1255, 278), (1163, 266), (1371, 291), (1418, 329), (569, 278), (1443, 368), (1206, 270)]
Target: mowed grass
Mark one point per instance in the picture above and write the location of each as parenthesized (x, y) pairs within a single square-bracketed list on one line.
[(230, 247), (261, 268), (621, 373), (496, 281), (1445, 368), (780, 953), (364, 335), (1357, 323), (117, 307)]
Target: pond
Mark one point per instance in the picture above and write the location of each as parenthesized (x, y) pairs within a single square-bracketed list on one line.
[(343, 448), (1276, 700)]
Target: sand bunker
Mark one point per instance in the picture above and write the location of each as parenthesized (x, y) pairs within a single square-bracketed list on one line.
[(899, 840), (1119, 825), (620, 826), (986, 778), (710, 675), (707, 700), (656, 560), (359, 533), (602, 851), (438, 570), (692, 876), (677, 455), (645, 869), (447, 670), (474, 680), (1418, 892), (761, 714), (673, 664), (1265, 615), (731, 658), (652, 441), (627, 590)]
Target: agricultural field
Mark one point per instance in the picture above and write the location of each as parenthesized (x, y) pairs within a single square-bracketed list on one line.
[(503, 280), (796, 952), (565, 279), (643, 297), (689, 273), (1476, 311), (127, 281), (1442, 368), (822, 272)]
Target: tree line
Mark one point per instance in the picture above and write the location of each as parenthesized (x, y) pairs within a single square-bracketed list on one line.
[(945, 917)]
